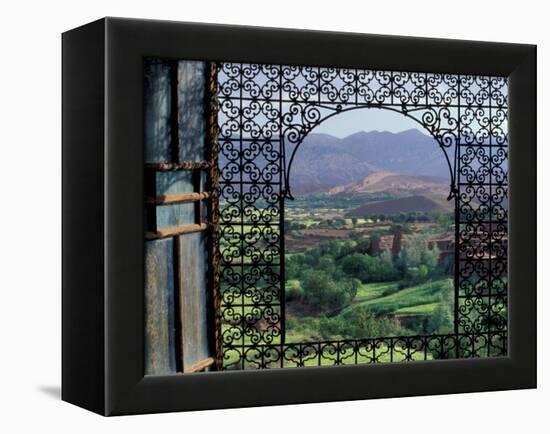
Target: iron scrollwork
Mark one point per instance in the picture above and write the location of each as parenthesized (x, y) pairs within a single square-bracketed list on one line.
[(264, 114)]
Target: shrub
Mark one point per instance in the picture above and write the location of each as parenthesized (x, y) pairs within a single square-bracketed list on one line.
[(321, 291), (363, 245), (402, 285), (442, 318), (294, 293), (386, 268), (291, 324), (357, 323)]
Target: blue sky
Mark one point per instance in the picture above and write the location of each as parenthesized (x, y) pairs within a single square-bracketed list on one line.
[(344, 124)]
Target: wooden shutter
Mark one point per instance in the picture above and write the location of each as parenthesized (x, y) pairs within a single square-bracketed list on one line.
[(178, 188)]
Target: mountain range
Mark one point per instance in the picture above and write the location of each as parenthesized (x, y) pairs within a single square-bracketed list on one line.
[(323, 161)]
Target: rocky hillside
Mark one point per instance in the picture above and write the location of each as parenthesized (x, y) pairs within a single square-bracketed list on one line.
[(396, 184)]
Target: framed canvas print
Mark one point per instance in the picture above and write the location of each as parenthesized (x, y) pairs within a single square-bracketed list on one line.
[(261, 216)]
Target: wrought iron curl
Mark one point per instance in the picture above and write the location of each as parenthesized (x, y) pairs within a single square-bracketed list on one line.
[(265, 112)]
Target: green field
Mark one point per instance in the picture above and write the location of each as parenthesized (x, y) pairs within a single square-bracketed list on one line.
[(421, 298), (385, 298)]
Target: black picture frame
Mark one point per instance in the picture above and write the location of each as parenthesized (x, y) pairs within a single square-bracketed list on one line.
[(103, 252)]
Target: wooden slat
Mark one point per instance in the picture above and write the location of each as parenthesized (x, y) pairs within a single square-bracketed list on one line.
[(175, 230), (178, 302), (160, 357), (185, 165), (198, 205), (199, 366), (177, 198)]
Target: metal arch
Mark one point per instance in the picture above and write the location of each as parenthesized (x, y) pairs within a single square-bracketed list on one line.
[(404, 112)]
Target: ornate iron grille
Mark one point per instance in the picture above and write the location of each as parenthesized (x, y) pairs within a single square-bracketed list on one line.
[(264, 114)]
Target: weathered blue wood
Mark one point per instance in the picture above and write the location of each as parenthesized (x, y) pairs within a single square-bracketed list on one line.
[(194, 254), (194, 257), (157, 101), (159, 287), (180, 181), (175, 215), (160, 355), (192, 113), (204, 204)]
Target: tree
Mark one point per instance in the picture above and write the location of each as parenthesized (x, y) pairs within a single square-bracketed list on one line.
[(430, 258), (326, 263), (441, 320), (386, 267), (416, 247), (354, 265), (294, 292), (322, 292), (361, 266), (338, 221), (354, 220), (294, 225), (423, 273), (311, 257), (401, 263), (351, 286), (443, 219), (292, 268), (363, 245), (330, 247)]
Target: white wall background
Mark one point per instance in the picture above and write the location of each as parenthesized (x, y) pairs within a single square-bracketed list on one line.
[(30, 203)]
